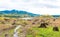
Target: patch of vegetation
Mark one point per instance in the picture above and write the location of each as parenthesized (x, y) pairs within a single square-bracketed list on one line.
[(46, 32)]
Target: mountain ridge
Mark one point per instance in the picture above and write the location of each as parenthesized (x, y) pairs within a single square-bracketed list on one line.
[(17, 12)]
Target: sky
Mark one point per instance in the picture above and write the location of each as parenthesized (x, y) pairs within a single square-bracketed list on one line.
[(42, 7)]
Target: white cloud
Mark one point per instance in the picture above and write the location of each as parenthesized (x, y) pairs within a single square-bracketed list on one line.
[(51, 7)]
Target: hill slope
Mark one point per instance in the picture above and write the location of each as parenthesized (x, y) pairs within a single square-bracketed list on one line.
[(17, 13)]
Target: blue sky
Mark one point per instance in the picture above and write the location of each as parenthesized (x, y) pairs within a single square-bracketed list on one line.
[(50, 7)]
